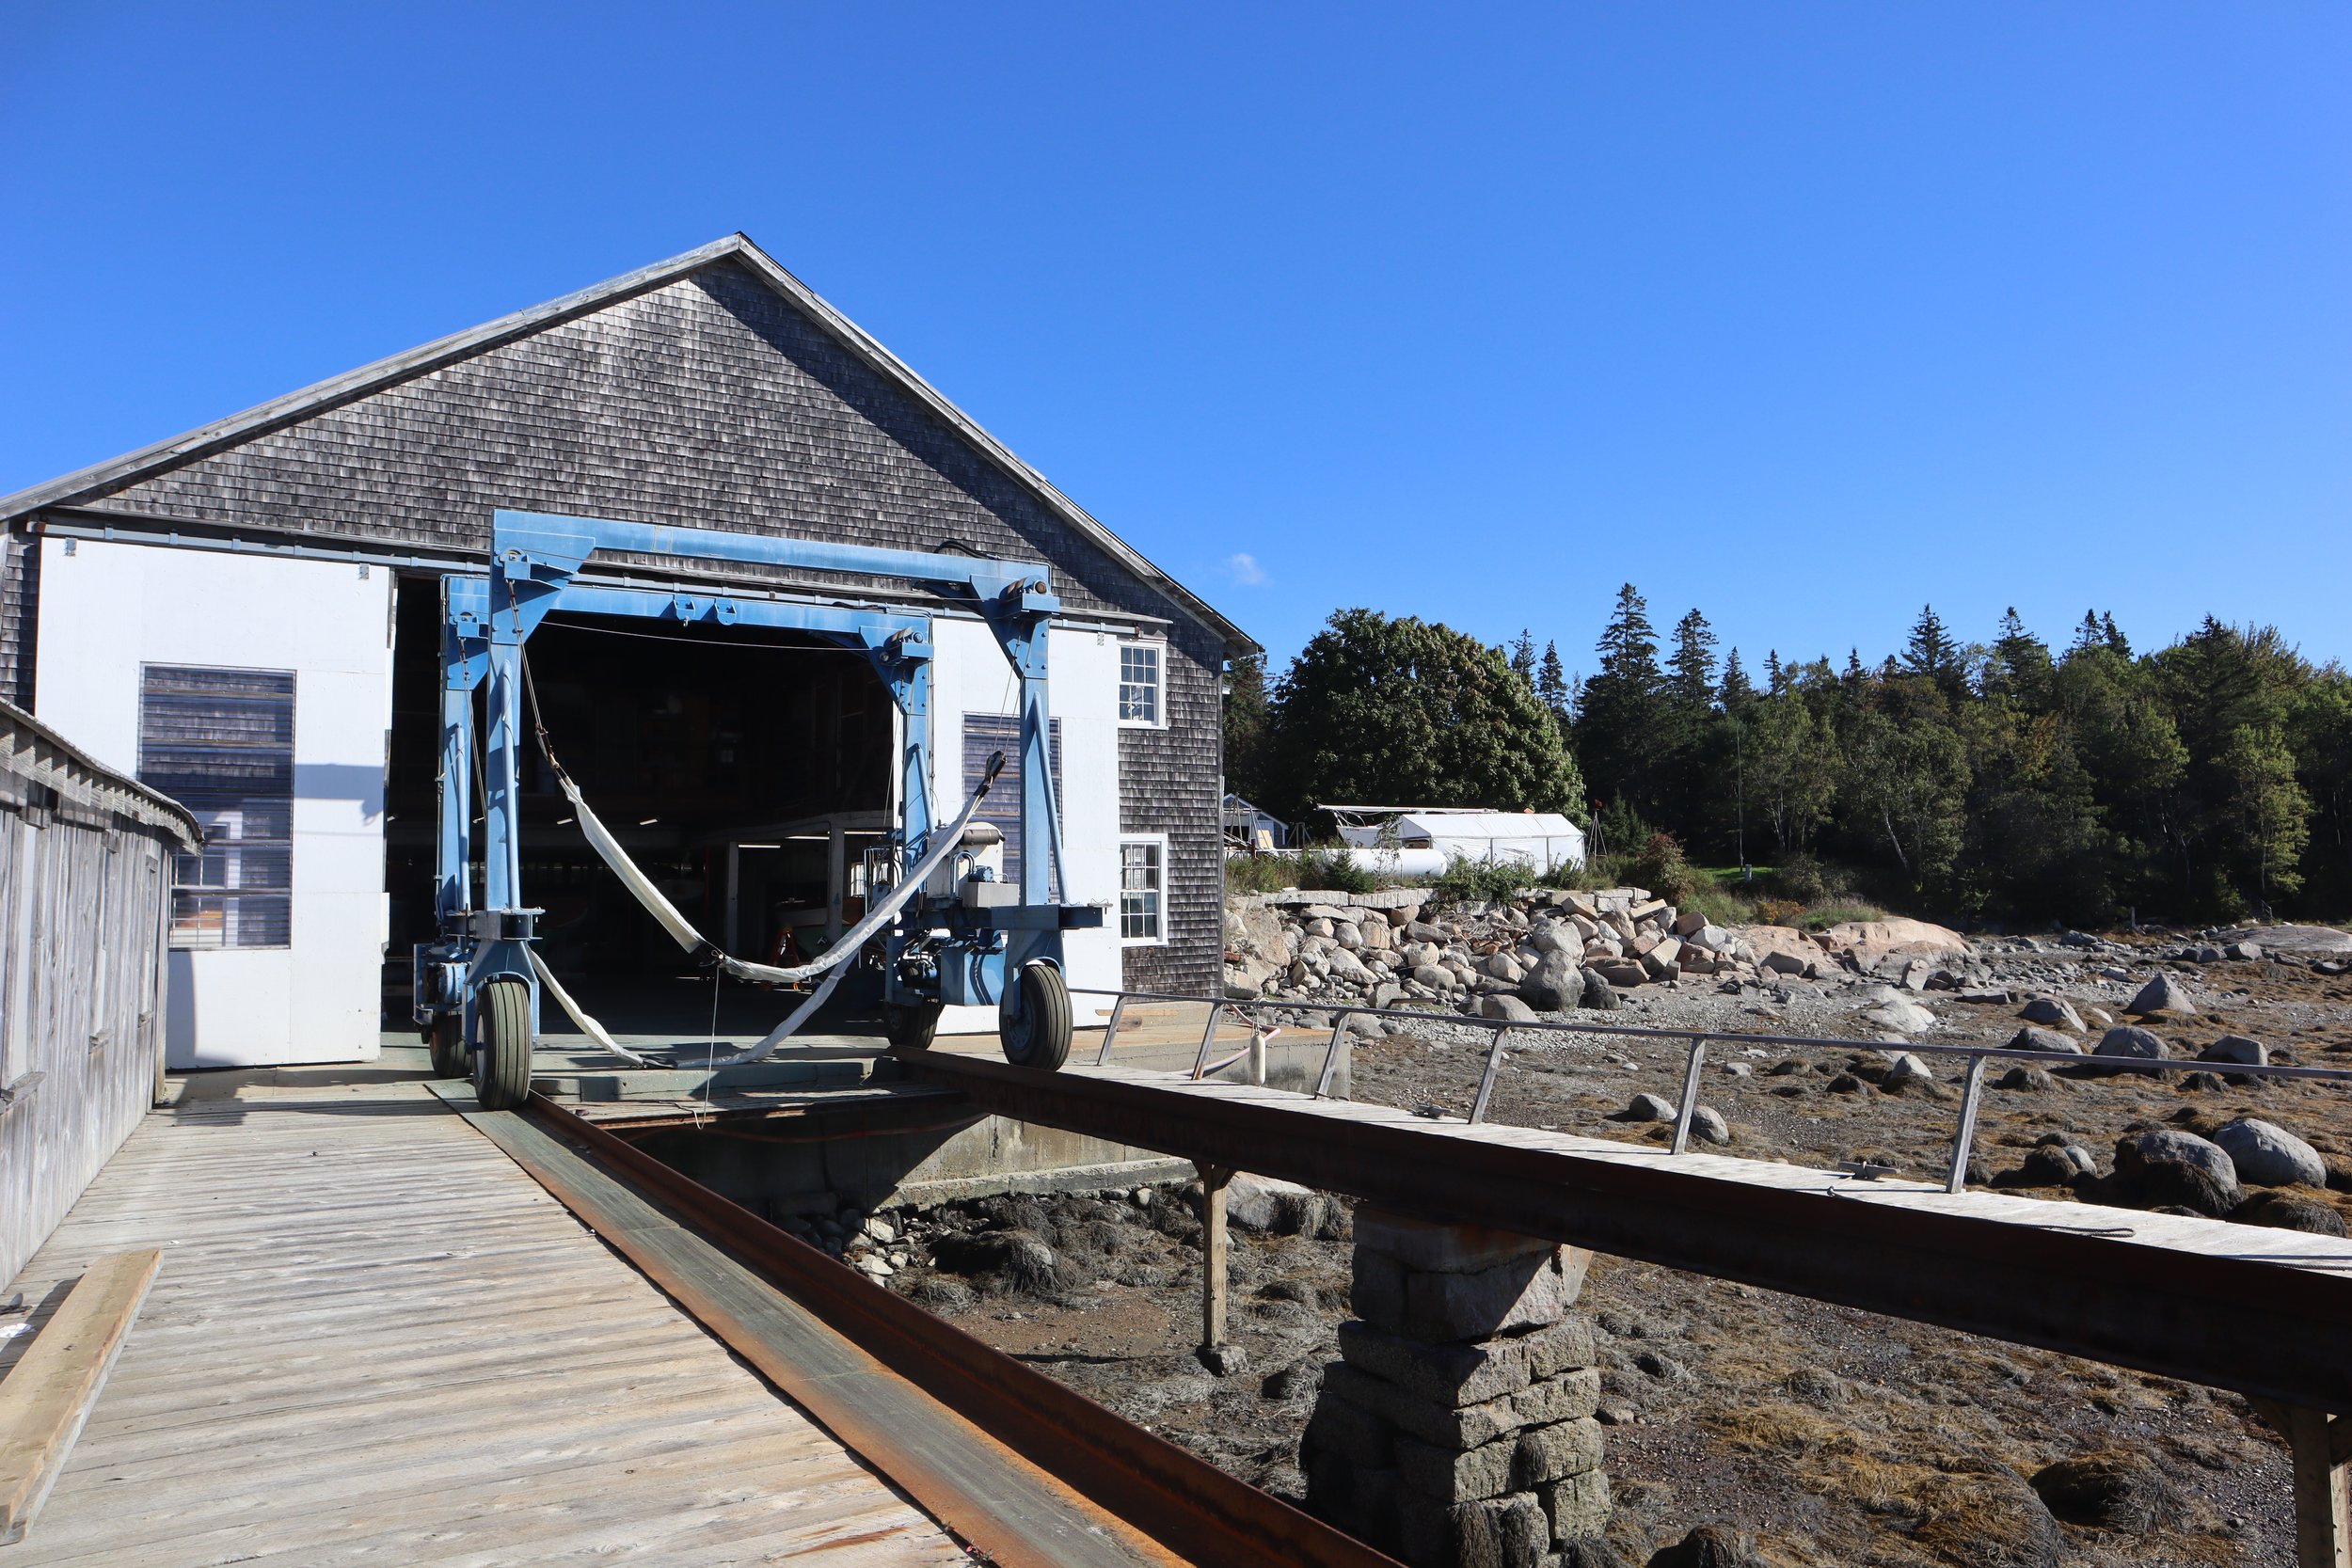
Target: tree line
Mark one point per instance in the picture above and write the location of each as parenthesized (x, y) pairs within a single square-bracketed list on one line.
[(2005, 779)]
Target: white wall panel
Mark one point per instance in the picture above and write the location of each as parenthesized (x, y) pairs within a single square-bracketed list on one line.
[(105, 610), (972, 676)]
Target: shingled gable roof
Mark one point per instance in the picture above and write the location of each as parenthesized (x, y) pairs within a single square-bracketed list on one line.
[(102, 478)]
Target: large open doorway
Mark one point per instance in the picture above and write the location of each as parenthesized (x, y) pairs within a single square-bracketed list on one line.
[(748, 771)]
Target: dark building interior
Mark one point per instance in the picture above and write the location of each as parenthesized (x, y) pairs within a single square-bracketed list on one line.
[(726, 760)]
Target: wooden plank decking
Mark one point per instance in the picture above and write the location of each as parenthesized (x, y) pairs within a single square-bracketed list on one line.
[(376, 1341)]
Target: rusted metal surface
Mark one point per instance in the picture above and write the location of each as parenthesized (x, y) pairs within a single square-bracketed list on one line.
[(1196, 1512), (2222, 1307)]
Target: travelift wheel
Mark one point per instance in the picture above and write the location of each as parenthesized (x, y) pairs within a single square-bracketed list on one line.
[(1033, 1020), (501, 1069), (910, 1026), (447, 1046)]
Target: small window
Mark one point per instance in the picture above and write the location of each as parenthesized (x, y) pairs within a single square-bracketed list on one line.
[(1142, 888), (221, 743), (1139, 683)]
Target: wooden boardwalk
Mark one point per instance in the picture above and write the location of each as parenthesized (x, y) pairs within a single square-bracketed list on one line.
[(376, 1341)]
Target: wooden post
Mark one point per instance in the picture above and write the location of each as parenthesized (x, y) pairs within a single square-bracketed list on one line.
[(2322, 1447), (1213, 1255)]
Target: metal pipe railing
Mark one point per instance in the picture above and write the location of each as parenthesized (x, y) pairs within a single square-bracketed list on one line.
[(1694, 1063)]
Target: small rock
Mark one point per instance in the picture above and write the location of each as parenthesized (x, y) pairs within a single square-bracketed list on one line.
[(1710, 1546), (1295, 1381), (1647, 1107), (2162, 994), (2268, 1155), (2030, 1079), (1506, 1008), (1223, 1360), (2115, 1489), (2127, 1041), (2289, 1213), (2031, 1038), (2241, 1048), (2055, 1010), (1903, 1068), (1708, 1125)]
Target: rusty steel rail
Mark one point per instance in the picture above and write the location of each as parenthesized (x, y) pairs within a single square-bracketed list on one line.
[(1196, 1512), (2224, 1319), (1694, 1042)]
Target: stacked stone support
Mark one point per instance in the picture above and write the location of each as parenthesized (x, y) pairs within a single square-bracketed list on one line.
[(1456, 1430)]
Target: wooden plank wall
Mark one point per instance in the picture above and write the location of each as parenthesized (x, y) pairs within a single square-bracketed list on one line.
[(84, 903)]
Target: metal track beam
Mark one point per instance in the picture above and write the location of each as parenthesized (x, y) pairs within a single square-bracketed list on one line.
[(1194, 1512)]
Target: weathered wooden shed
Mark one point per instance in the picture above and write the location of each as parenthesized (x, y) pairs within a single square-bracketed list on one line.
[(278, 573), (85, 868)]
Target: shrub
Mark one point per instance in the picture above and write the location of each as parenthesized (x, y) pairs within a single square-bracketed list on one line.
[(1658, 866), (1255, 872), (1473, 882), (1329, 869)]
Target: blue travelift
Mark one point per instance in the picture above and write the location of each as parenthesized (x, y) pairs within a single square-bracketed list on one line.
[(962, 941)]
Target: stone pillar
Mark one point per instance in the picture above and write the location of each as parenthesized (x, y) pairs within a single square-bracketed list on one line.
[(1456, 1430)]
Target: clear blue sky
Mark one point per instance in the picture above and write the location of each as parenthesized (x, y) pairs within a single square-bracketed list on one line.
[(1805, 314)]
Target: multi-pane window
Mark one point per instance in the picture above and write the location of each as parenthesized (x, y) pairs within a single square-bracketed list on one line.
[(1141, 887), (1139, 683), (220, 742)]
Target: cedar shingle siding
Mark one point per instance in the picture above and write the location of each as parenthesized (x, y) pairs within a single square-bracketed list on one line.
[(713, 401)]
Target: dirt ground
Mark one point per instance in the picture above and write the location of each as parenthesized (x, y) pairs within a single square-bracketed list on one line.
[(1838, 1438)]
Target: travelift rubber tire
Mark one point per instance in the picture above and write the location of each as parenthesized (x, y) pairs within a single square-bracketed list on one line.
[(1038, 1034), (501, 1069), (449, 1047), (910, 1026)]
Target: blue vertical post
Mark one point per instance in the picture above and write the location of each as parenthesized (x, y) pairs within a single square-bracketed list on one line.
[(912, 687), (1037, 776), (501, 768), (453, 891)]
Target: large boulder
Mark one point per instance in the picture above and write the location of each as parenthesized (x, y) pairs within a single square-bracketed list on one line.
[(1599, 995), (1555, 985), (1505, 1007), (1871, 941), (2167, 1167), (1901, 1015), (2160, 996), (2268, 1155)]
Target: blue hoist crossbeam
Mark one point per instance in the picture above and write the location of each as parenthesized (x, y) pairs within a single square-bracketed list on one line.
[(534, 571)]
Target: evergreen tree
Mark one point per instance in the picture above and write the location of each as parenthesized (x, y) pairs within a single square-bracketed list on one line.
[(2114, 638), (2088, 635), (2020, 665), (1931, 652), (1693, 682), (1246, 740), (1523, 656), (1619, 724), (1776, 677), (1552, 683), (1736, 694)]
